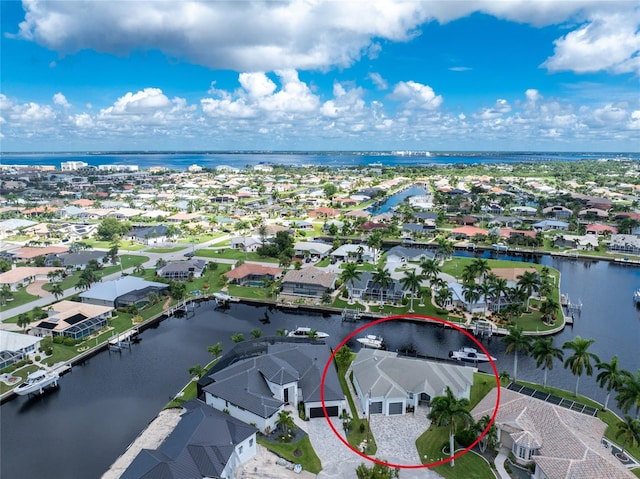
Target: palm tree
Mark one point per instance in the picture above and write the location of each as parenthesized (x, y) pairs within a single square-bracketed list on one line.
[(490, 439), (5, 294), (580, 360), (630, 430), (468, 274), (499, 288), (470, 293), (411, 281), (285, 421), (449, 411), (430, 269), (548, 309), (544, 352), (504, 377), (445, 247), (313, 334), (343, 355), (56, 290), (281, 332), (215, 350), (485, 290), (529, 282), (610, 377), (256, 333), (481, 268), (382, 278), (443, 295), (196, 371), (237, 337), (629, 392), (349, 275), (517, 342), (23, 321)]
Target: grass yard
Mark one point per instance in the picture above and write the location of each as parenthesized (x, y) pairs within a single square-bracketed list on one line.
[(20, 297), (250, 292), (124, 245), (300, 452), (200, 238), (164, 250), (235, 254)]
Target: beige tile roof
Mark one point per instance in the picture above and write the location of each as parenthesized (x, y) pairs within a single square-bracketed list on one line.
[(22, 273), (571, 441)]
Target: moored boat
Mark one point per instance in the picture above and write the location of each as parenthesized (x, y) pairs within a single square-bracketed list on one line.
[(636, 297), (470, 355), (371, 341), (36, 382), (305, 332)]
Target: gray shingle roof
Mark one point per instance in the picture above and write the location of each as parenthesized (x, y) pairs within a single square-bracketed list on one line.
[(199, 446), (111, 290)]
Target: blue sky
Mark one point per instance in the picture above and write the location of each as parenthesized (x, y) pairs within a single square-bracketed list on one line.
[(315, 75)]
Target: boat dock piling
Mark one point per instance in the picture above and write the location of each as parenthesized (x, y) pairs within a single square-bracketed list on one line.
[(350, 314), (121, 341)]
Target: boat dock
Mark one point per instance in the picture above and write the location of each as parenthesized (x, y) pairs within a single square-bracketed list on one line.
[(123, 340), (352, 314)]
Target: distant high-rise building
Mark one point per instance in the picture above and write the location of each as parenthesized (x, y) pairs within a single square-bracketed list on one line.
[(72, 165)]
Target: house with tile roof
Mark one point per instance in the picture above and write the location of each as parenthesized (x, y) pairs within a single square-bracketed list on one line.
[(72, 319), (205, 443), (310, 282), (558, 442), (388, 383), (256, 387), (122, 292), (18, 277), (182, 270), (252, 274)]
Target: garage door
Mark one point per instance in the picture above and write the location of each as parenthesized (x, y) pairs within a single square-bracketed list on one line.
[(375, 407), (395, 408), (317, 411)]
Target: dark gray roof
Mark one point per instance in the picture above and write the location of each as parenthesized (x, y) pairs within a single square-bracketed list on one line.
[(75, 259), (148, 231), (244, 382), (199, 446), (184, 266)]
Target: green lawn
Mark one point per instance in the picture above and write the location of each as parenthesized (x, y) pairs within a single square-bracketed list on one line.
[(300, 452), (200, 238), (250, 292), (20, 297), (164, 250), (126, 261), (235, 254), (124, 245), (68, 282)]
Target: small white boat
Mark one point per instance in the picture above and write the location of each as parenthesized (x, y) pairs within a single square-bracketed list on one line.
[(636, 297), (221, 298), (470, 355), (36, 382), (371, 341), (304, 332)]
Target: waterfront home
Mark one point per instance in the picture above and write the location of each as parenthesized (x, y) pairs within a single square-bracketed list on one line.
[(17, 278), (558, 442), (505, 221), (625, 243), (313, 249), (15, 347), (310, 282), (579, 242), (557, 211), (256, 389), (524, 210), (387, 383), (600, 229), (324, 212), (182, 270), (367, 288), (205, 443), (402, 254), (547, 225), (458, 299), (72, 319), (252, 274), (467, 232), (124, 291)]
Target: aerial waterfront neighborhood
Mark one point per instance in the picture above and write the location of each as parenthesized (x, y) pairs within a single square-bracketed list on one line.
[(91, 257)]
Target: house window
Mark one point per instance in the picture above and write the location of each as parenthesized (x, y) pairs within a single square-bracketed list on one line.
[(240, 450), (251, 442), (522, 453)]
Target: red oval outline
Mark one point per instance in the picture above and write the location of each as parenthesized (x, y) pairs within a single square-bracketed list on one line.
[(429, 319)]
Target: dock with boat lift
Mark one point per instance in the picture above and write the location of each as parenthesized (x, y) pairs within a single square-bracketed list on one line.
[(123, 340)]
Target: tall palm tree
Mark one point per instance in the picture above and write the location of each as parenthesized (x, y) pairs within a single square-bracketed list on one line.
[(449, 411), (382, 278), (529, 282), (610, 377), (285, 421), (468, 274), (215, 350), (430, 269), (516, 342), (629, 392), (56, 290), (580, 361), (411, 281), (443, 295), (490, 439), (630, 430), (445, 247), (500, 287), (349, 275), (548, 309), (470, 293), (481, 268), (544, 352), (485, 290), (256, 333), (196, 371), (23, 321)]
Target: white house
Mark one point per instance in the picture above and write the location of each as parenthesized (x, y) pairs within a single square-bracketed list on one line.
[(388, 384)]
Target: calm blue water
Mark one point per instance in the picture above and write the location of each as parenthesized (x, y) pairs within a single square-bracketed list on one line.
[(182, 160), (396, 199)]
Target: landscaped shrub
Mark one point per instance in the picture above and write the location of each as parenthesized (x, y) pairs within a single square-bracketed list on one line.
[(58, 340), (38, 358), (69, 342), (465, 437), (362, 428)]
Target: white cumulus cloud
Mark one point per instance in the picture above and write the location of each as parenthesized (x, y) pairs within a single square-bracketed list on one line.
[(416, 95)]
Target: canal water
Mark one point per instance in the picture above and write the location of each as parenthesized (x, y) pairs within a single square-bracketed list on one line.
[(80, 428), (395, 200)]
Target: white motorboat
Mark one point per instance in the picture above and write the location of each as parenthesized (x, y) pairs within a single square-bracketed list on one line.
[(371, 341), (36, 382), (221, 298), (470, 355), (636, 297), (304, 332)]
